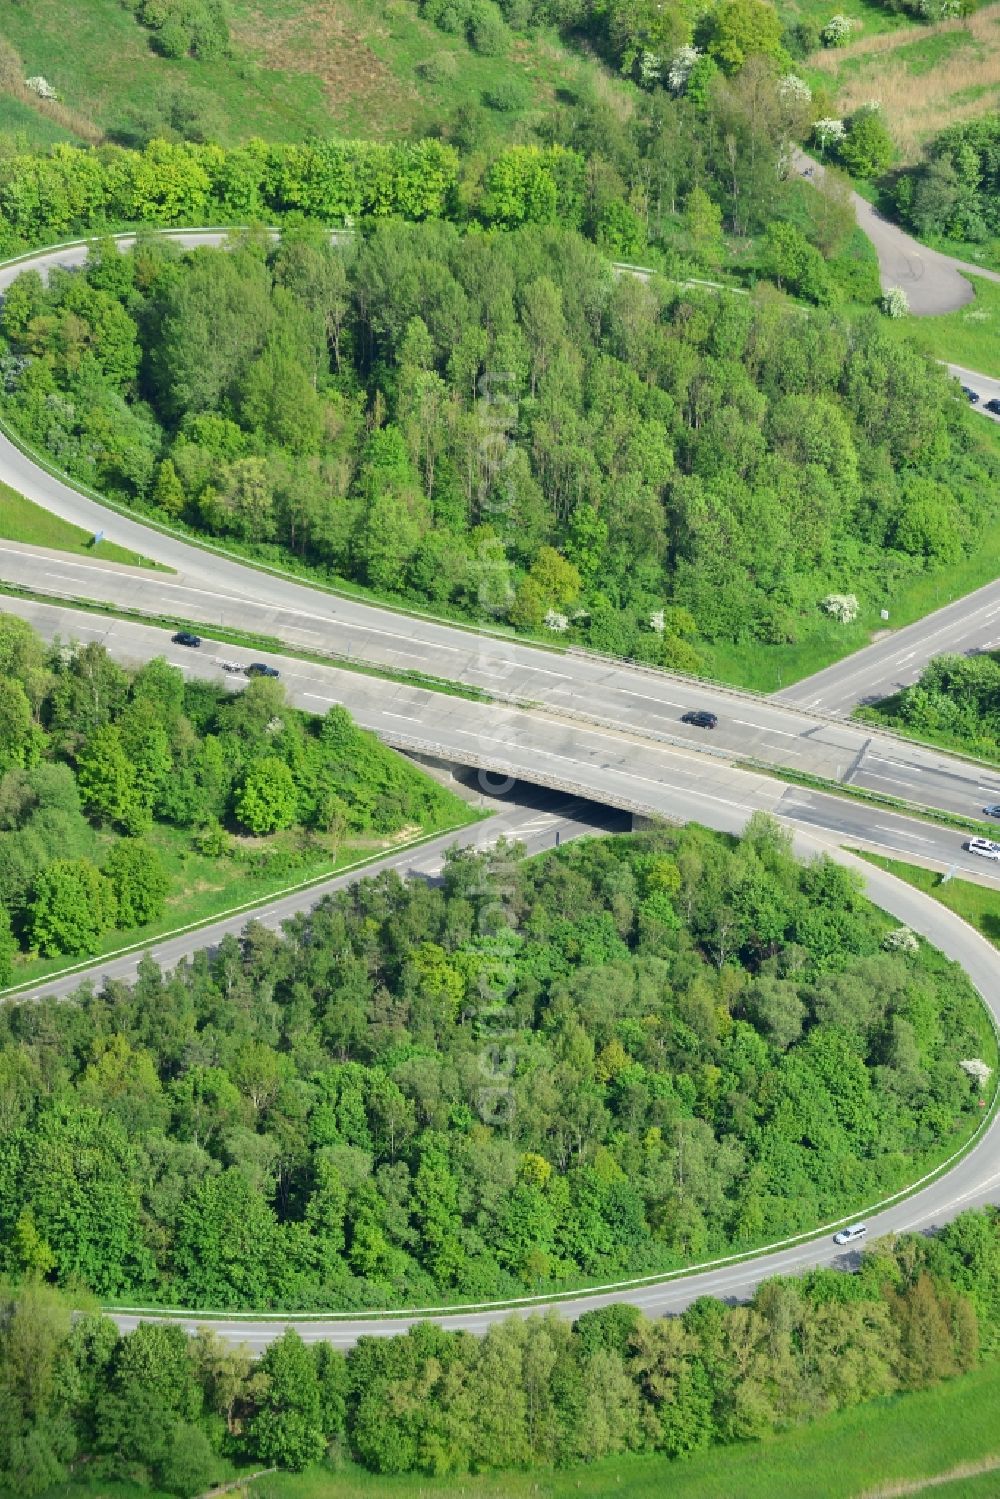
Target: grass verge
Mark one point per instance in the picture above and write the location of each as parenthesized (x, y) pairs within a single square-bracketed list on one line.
[(979, 905), (24, 521), (969, 337)]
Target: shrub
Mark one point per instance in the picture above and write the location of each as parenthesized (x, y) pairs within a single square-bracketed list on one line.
[(439, 68), (507, 96), (837, 31), (680, 68), (895, 302), (487, 32), (843, 606), (829, 133)]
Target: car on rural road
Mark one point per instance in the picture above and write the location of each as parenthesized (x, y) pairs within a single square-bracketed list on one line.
[(851, 1235), (700, 719), (972, 396), (185, 637), (993, 406), (984, 847), (259, 669)]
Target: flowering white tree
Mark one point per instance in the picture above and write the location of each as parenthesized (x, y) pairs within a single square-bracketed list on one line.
[(794, 90), (843, 606), (38, 85), (650, 68), (680, 69), (895, 302), (658, 621), (827, 133), (901, 939), (556, 621), (837, 31)]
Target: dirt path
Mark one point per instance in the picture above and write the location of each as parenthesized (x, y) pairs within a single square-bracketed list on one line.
[(918, 1485)]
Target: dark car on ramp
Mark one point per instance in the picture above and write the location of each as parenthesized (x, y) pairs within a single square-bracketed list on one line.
[(700, 719), (993, 407), (259, 669), (972, 396)]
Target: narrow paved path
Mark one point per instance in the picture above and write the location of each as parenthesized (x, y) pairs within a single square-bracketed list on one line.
[(933, 282)]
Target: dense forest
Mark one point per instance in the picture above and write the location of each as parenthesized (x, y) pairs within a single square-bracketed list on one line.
[(956, 702), (955, 191), (497, 425), (624, 1055), (96, 760), (156, 1407)]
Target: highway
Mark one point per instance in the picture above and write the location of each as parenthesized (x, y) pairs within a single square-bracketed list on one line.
[(637, 775), (213, 589), (533, 816), (621, 699), (972, 1181)]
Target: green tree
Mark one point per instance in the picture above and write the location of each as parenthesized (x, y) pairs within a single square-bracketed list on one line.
[(139, 881), (738, 29), (267, 799), (288, 1426), (867, 148), (71, 908), (106, 780)]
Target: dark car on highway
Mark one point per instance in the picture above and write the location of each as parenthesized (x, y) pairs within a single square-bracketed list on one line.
[(258, 669), (972, 396), (993, 810), (699, 719), (184, 637), (993, 406)]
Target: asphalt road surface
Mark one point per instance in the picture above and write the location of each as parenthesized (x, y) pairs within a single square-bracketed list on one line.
[(632, 764), (934, 283), (212, 589), (535, 817), (619, 699)]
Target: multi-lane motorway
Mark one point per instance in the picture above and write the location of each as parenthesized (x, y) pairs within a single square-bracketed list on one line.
[(524, 681), (971, 1181)]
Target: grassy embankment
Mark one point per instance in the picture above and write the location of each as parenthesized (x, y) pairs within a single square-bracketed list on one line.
[(22, 520), (204, 888), (979, 905), (924, 77), (854, 1453), (363, 67), (969, 337)]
